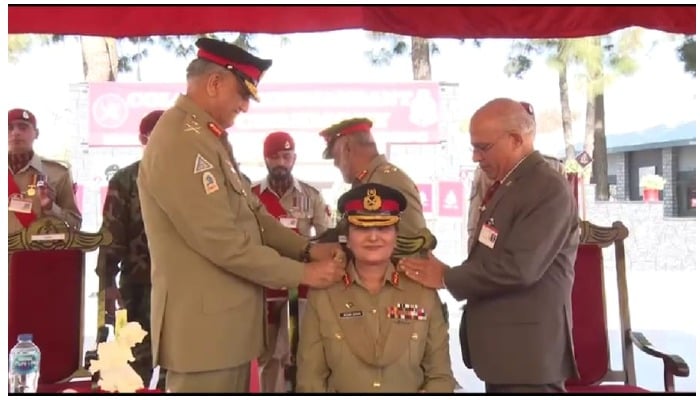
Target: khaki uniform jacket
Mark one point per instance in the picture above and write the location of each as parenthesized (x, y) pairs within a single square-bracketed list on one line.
[(516, 325), (313, 214), (213, 246), (381, 171), (349, 344), (58, 177)]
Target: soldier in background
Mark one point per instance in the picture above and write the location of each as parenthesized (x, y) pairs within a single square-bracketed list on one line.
[(300, 207), (38, 186), (128, 255), (351, 146)]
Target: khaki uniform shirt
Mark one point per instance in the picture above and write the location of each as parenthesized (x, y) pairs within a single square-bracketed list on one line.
[(304, 203), (381, 171), (58, 177), (213, 246), (348, 343)]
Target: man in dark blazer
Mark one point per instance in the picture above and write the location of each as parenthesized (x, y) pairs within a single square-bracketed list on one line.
[(517, 280)]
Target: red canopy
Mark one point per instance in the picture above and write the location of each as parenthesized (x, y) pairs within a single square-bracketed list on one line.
[(436, 21)]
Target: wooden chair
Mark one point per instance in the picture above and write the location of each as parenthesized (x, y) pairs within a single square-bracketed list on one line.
[(46, 296), (590, 331)]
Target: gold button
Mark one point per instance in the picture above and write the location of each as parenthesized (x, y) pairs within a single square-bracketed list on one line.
[(414, 336), (376, 384), (374, 311), (338, 336)]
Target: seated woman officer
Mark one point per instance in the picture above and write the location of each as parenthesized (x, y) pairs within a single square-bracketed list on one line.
[(376, 331)]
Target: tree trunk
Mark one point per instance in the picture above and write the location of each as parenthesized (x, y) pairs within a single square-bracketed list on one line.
[(589, 141), (600, 152), (590, 123), (420, 57), (566, 114), (100, 58)]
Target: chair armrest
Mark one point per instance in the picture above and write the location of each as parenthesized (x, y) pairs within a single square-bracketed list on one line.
[(674, 365)]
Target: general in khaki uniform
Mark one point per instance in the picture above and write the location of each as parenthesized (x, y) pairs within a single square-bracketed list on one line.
[(357, 339), (30, 175), (300, 207), (414, 236), (213, 246)]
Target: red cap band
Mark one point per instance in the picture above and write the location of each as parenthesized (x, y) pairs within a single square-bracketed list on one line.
[(249, 70)]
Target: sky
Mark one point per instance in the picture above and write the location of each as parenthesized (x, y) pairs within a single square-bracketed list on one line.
[(659, 93)]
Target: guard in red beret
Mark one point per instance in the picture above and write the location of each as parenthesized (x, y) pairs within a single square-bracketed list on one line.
[(128, 255), (351, 146), (300, 207), (38, 186), (212, 243)]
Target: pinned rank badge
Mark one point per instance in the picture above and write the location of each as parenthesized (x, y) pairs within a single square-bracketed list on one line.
[(201, 164), (209, 182), (403, 311)]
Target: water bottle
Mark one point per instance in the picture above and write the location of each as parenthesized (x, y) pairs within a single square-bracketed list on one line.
[(24, 365)]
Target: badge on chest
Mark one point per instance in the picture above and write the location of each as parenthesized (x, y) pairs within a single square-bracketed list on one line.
[(351, 314), (488, 234), (20, 204), (289, 222)]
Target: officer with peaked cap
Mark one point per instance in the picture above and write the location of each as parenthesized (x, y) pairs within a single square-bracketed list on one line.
[(352, 148), (213, 246), (377, 331), (39, 186)]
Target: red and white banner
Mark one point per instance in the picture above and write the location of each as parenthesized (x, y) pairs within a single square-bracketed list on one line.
[(407, 111), (426, 196), (451, 197)]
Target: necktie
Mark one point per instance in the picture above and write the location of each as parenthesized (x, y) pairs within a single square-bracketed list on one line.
[(489, 194)]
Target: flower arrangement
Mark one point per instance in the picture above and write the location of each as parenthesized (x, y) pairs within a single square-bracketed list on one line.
[(654, 182)]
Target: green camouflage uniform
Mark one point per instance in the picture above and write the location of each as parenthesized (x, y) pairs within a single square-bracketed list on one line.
[(129, 255)]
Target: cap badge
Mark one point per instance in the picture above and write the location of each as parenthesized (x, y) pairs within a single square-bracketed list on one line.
[(287, 145), (372, 201), (25, 114)]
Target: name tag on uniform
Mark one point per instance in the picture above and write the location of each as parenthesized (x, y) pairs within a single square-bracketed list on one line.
[(289, 222), (20, 205), (351, 314), (488, 235)]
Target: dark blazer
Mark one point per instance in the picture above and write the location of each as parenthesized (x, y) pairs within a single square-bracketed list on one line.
[(516, 326)]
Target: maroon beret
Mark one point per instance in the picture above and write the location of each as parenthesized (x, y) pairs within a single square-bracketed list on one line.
[(149, 121), (19, 114), (276, 142)]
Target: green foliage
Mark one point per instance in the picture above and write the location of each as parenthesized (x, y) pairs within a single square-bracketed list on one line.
[(16, 45), (686, 54)]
